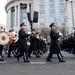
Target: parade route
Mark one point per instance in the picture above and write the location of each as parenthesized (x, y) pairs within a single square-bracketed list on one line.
[(38, 66), (37, 37)]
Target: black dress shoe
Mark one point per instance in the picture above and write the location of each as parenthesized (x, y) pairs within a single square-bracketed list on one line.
[(37, 56), (40, 53), (29, 56), (62, 61), (27, 61), (18, 58), (15, 55), (9, 56), (48, 60), (2, 60)]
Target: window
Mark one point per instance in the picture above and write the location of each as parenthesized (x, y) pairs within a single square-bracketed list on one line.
[(51, 6), (51, 1), (13, 19), (52, 17), (61, 0), (24, 17), (42, 17), (62, 14), (24, 14), (41, 7), (62, 6), (41, 1), (24, 21)]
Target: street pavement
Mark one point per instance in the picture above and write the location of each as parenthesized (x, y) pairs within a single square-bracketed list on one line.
[(38, 66)]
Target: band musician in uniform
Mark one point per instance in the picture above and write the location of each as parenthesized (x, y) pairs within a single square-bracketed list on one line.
[(1, 49), (22, 43), (11, 43), (54, 46)]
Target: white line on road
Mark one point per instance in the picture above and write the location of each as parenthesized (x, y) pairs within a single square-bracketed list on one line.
[(2, 61), (38, 63)]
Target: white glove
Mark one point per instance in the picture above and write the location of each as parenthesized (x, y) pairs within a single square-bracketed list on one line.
[(60, 34), (29, 32), (38, 37)]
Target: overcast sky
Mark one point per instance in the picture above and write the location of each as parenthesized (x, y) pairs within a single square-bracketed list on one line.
[(2, 12)]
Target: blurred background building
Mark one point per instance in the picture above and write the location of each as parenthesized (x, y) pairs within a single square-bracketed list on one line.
[(61, 12)]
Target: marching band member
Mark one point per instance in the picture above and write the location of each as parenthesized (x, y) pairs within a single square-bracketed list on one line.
[(54, 47), (43, 43), (22, 43), (11, 42), (33, 45), (68, 43), (38, 43), (1, 49)]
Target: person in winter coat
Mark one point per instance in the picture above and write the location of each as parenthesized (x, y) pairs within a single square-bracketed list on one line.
[(54, 46)]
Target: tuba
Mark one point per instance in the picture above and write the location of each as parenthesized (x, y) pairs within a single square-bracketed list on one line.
[(13, 37)]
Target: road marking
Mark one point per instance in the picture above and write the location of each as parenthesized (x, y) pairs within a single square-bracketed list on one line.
[(2, 61), (38, 63)]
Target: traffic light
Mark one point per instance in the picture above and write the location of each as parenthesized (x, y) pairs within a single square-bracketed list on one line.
[(35, 17), (29, 17), (66, 0)]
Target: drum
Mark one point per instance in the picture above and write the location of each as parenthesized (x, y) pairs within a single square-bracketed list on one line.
[(4, 38)]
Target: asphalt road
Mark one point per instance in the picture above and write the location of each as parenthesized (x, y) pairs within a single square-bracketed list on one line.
[(38, 66)]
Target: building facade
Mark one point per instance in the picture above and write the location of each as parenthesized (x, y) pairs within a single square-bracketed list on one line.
[(58, 11)]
